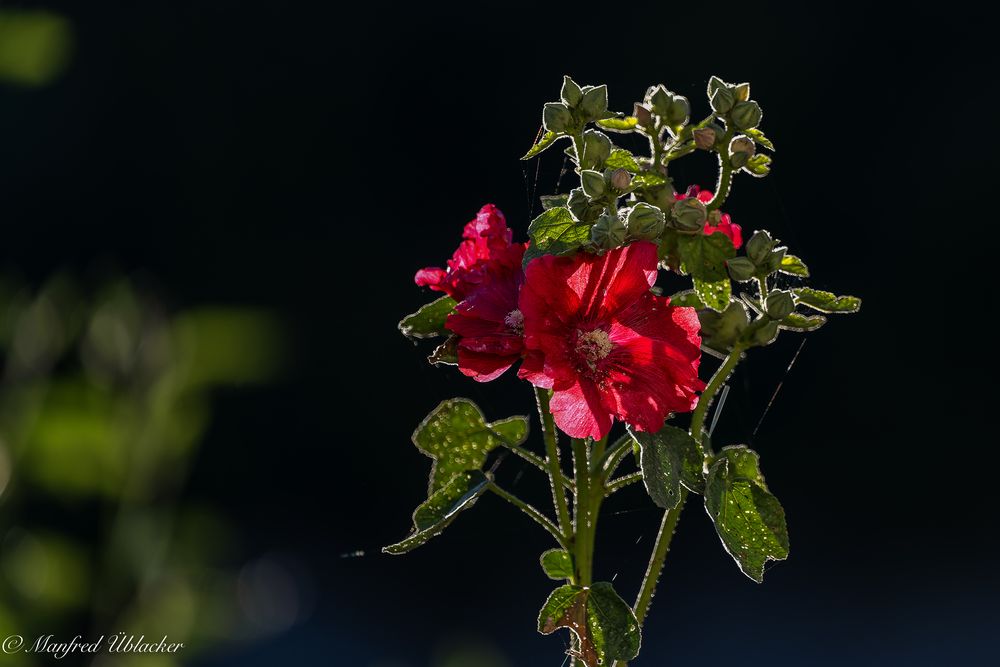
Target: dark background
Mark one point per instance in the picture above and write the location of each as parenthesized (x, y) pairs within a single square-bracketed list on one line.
[(310, 160)]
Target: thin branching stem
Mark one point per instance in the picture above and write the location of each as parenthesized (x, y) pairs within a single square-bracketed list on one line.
[(538, 517), (538, 462), (552, 459), (622, 482)]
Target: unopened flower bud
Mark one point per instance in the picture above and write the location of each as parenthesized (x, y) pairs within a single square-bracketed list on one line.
[(645, 222), (596, 149), (704, 138), (779, 304), (594, 103), (738, 160), (642, 115), (578, 203), (620, 179), (678, 111), (608, 232), (759, 247), (742, 92), (714, 217), (747, 115), (765, 334), (741, 268), (571, 93), (689, 215), (773, 261), (743, 145), (723, 99), (593, 183), (556, 117), (658, 97)]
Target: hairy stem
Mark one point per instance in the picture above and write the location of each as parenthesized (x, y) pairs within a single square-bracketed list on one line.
[(538, 462), (698, 416), (583, 514), (552, 458), (622, 482), (725, 172), (537, 516)]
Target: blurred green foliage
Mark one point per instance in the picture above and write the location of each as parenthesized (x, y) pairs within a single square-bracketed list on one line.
[(35, 46), (104, 400)]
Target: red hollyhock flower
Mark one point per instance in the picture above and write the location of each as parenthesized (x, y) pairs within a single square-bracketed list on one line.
[(485, 240), (726, 225), (607, 346), (490, 326)]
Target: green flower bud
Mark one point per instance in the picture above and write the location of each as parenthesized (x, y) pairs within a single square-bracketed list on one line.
[(738, 160), (723, 99), (593, 183), (742, 92), (571, 93), (620, 179), (704, 138), (645, 222), (747, 115), (779, 304), (743, 145), (579, 205), (678, 111), (689, 215), (741, 269), (596, 149), (608, 232), (759, 247), (773, 261), (556, 117), (714, 83), (642, 115), (594, 103), (764, 334), (659, 98)]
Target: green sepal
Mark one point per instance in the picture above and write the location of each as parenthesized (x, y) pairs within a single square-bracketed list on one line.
[(428, 321), (547, 140), (749, 520), (799, 322), (605, 626), (623, 125), (720, 331), (793, 266), (435, 514), (759, 165), (741, 269), (456, 436), (557, 564), (714, 294), (445, 354), (704, 256), (556, 232), (669, 458), (827, 302)]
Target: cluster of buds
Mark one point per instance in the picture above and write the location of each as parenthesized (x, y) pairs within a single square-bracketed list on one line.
[(577, 107)]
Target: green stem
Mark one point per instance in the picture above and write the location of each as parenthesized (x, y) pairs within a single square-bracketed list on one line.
[(622, 482), (578, 147), (698, 416), (538, 462), (552, 458), (582, 514), (762, 281), (725, 173), (615, 453), (667, 528), (540, 518)]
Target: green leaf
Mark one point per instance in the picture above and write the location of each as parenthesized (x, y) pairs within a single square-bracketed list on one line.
[(547, 140), (827, 302), (554, 201), (557, 232), (759, 137), (445, 354), (759, 165), (622, 159), (457, 437), (799, 322), (750, 521), (647, 179), (428, 322), (626, 124), (686, 299), (714, 294), (704, 257), (793, 266), (668, 458), (605, 626), (440, 509), (557, 564)]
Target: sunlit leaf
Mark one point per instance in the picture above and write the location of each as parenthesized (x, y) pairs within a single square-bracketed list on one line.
[(556, 232), (554, 201), (440, 509), (687, 298), (750, 521), (547, 140), (704, 256), (759, 165), (445, 354), (668, 458), (429, 320), (759, 137), (557, 564), (793, 266), (799, 322), (626, 124), (605, 626), (457, 437), (827, 302), (714, 294), (622, 159)]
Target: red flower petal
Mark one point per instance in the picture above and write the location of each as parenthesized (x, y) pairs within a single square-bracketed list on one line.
[(578, 410)]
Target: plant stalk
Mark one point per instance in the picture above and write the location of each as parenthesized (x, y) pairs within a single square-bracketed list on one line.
[(552, 458)]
